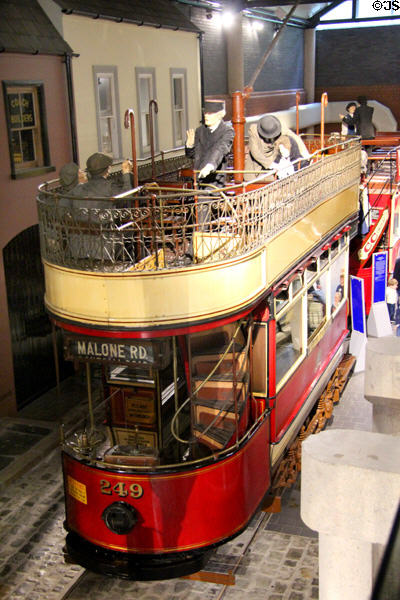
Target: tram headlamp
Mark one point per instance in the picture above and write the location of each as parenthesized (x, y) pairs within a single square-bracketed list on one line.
[(120, 517)]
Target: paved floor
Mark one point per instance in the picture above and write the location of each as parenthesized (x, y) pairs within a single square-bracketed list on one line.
[(276, 558)]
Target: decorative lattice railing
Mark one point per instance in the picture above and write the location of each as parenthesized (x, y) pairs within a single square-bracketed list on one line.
[(158, 228)]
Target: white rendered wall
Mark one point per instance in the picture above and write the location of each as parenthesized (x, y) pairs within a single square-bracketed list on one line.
[(126, 46)]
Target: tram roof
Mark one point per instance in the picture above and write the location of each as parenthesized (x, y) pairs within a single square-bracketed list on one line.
[(157, 13), (25, 28)]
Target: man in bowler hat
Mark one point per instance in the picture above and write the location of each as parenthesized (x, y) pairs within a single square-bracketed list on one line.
[(273, 146)]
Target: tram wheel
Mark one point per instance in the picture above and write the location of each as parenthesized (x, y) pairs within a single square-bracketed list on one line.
[(144, 567)]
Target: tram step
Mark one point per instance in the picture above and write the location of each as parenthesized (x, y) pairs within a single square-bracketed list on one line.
[(203, 364), (221, 391), (223, 412), (215, 437), (205, 342)]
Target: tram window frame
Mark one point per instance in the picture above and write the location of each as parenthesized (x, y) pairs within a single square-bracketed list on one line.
[(113, 116), (181, 75), (40, 163), (340, 265), (321, 295), (297, 301), (148, 74)]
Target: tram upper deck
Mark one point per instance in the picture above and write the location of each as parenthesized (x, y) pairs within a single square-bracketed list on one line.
[(165, 256)]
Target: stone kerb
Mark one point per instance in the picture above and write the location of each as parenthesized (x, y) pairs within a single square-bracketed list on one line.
[(382, 383), (350, 489)]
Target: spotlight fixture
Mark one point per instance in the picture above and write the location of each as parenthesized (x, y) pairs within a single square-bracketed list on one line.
[(209, 13)]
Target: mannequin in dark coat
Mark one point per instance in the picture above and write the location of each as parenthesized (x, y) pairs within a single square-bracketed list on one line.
[(211, 144), (363, 119)]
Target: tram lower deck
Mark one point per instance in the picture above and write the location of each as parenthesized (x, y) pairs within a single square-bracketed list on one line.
[(214, 338)]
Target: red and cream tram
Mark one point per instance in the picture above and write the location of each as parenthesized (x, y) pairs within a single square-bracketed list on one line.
[(379, 227), (210, 367)]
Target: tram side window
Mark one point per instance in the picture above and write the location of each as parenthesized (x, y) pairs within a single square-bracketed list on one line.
[(288, 339), (26, 124), (338, 283), (316, 304)]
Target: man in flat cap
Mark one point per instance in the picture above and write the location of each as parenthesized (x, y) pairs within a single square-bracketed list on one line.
[(95, 241), (272, 145), (211, 144), (98, 186)]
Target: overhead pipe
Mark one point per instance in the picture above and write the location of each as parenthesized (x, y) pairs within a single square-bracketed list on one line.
[(239, 99), (71, 107), (324, 104), (129, 120), (153, 107)]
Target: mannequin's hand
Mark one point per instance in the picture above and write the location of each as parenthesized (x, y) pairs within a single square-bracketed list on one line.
[(209, 168), (189, 138), (284, 151), (126, 166)]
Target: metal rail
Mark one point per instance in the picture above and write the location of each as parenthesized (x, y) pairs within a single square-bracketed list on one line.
[(159, 229)]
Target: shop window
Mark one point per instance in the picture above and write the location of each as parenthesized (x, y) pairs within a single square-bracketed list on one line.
[(179, 105), (107, 110), (146, 91), (26, 125)]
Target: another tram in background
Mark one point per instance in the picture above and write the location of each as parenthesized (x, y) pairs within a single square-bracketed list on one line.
[(210, 366), (379, 223)]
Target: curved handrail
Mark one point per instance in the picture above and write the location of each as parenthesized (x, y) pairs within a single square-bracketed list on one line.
[(182, 406), (129, 120), (324, 104)]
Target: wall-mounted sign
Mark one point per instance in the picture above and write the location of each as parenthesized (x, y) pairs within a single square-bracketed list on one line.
[(155, 353), (357, 304), (379, 273)]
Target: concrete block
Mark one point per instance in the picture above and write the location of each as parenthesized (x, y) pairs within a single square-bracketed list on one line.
[(382, 383), (350, 483), (350, 489)]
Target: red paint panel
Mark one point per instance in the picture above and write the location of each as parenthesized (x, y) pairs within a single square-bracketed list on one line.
[(154, 332), (294, 393), (177, 511)]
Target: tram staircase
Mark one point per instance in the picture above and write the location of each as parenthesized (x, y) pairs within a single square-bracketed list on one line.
[(220, 374)]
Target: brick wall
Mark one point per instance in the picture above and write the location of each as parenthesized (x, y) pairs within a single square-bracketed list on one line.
[(214, 50), (362, 61), (284, 67), (282, 71), (363, 56)]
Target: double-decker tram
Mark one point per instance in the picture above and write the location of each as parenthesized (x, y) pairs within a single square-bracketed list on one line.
[(215, 339), (379, 223)]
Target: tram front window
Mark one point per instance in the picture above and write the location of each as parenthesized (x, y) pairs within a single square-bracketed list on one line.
[(141, 394)]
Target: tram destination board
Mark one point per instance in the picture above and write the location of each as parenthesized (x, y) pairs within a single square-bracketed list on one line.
[(155, 353)]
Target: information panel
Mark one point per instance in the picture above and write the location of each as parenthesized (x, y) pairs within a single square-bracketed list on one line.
[(357, 304), (379, 273)]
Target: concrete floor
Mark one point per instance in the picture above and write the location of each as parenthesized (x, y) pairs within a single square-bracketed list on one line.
[(276, 558)]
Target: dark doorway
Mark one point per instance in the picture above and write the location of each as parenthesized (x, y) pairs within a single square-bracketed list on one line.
[(31, 336)]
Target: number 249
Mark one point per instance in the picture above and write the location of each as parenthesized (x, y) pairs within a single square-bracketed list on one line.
[(135, 490)]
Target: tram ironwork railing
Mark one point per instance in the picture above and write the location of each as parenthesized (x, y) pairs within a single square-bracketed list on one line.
[(157, 228)]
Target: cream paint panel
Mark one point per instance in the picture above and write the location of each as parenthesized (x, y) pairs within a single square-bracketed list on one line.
[(127, 46), (143, 300), (307, 232)]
